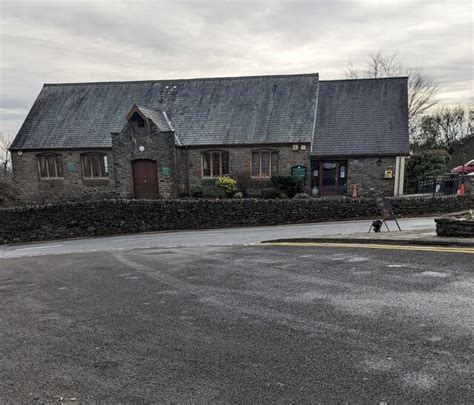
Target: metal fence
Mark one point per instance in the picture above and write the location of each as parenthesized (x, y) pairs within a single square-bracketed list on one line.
[(436, 185)]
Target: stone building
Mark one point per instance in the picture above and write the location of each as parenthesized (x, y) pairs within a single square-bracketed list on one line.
[(161, 139)]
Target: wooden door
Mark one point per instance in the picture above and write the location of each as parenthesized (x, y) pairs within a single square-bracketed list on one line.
[(145, 179), (329, 177)]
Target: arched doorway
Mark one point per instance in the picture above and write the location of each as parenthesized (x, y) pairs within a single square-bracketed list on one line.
[(145, 179)]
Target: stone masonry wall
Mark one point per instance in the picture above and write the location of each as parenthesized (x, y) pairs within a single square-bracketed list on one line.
[(367, 174), (108, 217), (158, 146), (240, 164), (454, 227), (73, 186)]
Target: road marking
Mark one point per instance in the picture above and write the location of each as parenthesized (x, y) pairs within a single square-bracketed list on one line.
[(441, 249), (37, 247)]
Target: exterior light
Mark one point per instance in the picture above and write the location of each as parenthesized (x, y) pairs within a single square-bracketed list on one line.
[(379, 162)]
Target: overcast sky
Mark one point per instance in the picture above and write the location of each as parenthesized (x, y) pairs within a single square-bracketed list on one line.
[(76, 41)]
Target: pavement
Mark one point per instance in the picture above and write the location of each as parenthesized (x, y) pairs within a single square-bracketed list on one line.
[(213, 237), (238, 324), (418, 237)]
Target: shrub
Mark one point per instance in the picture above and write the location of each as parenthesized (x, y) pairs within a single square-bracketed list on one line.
[(427, 163), (270, 193), (290, 185), (301, 195), (214, 193), (227, 184), (197, 192), (7, 193)]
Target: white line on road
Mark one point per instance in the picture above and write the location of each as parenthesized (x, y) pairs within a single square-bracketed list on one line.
[(37, 247)]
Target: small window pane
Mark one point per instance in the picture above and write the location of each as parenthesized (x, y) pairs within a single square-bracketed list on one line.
[(43, 166), (105, 168), (265, 164), (59, 166), (52, 166), (255, 164), (86, 166), (216, 163), (206, 164), (95, 165), (225, 163), (275, 164)]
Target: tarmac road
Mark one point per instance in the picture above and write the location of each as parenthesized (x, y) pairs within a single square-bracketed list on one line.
[(238, 324), (213, 237)]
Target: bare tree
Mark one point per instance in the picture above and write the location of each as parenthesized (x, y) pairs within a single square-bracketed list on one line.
[(444, 128), (421, 88), (5, 157)]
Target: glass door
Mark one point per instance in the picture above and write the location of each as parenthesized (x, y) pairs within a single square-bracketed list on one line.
[(329, 177)]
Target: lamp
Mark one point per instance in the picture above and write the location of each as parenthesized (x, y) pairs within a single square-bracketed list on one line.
[(379, 162)]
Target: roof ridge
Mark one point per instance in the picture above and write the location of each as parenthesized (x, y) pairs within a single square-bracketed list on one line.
[(365, 78), (147, 107), (316, 75)]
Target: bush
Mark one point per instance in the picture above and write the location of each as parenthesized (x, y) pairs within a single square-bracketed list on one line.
[(427, 163), (7, 192), (214, 193), (270, 193), (290, 185), (227, 184), (197, 192), (301, 195)]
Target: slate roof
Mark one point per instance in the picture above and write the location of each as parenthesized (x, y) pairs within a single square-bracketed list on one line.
[(362, 117), (219, 111), (158, 117)]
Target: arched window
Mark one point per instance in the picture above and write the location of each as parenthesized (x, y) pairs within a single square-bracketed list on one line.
[(94, 165), (214, 164), (265, 164), (50, 166)]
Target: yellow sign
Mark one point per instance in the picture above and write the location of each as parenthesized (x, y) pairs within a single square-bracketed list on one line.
[(388, 173)]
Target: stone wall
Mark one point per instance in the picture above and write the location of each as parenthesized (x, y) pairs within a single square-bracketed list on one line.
[(109, 217), (155, 145), (454, 227), (30, 187), (240, 164), (367, 174)]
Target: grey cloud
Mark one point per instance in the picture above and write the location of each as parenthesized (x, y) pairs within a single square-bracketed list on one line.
[(92, 40)]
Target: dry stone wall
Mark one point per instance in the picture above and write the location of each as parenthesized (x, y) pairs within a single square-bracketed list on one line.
[(110, 217)]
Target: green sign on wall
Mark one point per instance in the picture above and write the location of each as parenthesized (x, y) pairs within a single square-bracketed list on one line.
[(298, 171), (71, 166), (166, 171)]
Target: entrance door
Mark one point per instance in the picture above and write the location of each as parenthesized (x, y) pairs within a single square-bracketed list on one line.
[(145, 179), (329, 177)]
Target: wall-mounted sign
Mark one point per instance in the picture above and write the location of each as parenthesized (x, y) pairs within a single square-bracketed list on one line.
[(294, 147), (388, 173), (298, 171), (166, 171), (71, 166), (303, 147)]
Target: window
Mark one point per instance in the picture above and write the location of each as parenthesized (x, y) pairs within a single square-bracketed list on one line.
[(265, 164), (215, 164), (50, 166), (138, 119), (94, 166)]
